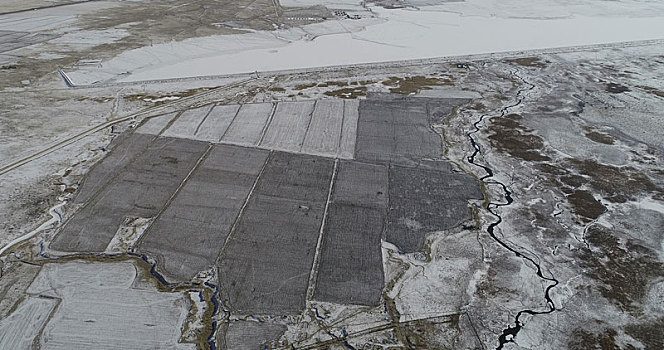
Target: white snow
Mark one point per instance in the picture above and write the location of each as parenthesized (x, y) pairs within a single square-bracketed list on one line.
[(473, 27), (550, 9), (55, 19), (335, 4), (18, 330), (162, 99), (651, 204), (100, 309), (128, 234), (85, 39), (56, 218), (655, 298)]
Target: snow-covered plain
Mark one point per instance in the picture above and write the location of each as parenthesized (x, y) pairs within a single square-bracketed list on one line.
[(95, 296), (449, 29), (333, 4)]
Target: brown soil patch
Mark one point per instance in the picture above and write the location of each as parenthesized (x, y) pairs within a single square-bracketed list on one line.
[(617, 184), (510, 136), (650, 334), (600, 137), (585, 205), (348, 93), (528, 62), (584, 340), (304, 86), (624, 270), (412, 85), (333, 83), (615, 88), (653, 91)]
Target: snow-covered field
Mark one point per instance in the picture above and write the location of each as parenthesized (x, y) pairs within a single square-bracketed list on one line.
[(334, 4), (19, 330), (449, 29), (95, 296)]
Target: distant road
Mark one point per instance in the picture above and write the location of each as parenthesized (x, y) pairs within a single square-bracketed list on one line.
[(46, 7)]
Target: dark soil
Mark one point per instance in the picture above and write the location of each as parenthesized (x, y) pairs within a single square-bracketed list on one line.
[(615, 88), (573, 180), (585, 205), (584, 340), (528, 62), (617, 184), (348, 93), (600, 137), (653, 91), (510, 136), (650, 334), (624, 270), (411, 85)]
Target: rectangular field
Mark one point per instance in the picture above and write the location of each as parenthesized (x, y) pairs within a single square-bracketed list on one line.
[(249, 334), (324, 127), (247, 127), (269, 255), (141, 190), (361, 184), (188, 123), (19, 329), (155, 125), (188, 236), (324, 132), (349, 129), (100, 309), (395, 131), (288, 126), (351, 262), (217, 122), (423, 201), (123, 151), (296, 176)]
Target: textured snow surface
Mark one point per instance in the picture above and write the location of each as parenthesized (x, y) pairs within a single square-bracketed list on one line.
[(450, 29), (95, 296)]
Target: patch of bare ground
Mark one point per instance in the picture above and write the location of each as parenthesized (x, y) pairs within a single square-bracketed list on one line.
[(615, 88), (650, 333), (508, 135), (585, 340), (348, 93), (600, 137), (161, 99), (616, 184), (412, 85), (528, 62), (623, 268), (585, 205), (653, 91), (438, 333)]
